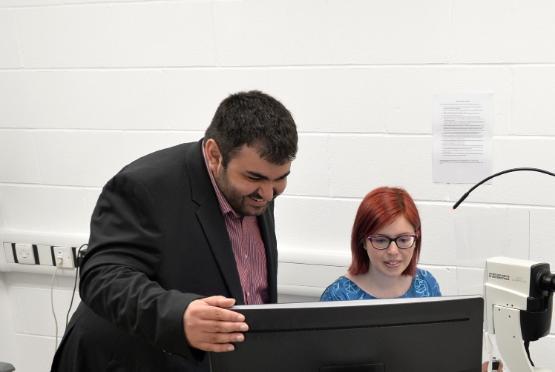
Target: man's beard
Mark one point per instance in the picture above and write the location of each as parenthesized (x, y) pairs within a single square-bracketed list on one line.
[(235, 199)]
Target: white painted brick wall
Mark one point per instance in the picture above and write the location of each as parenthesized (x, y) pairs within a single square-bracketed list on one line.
[(331, 32), (498, 31), (117, 35), (7, 346), (8, 42), (534, 89), (542, 235), (88, 86)]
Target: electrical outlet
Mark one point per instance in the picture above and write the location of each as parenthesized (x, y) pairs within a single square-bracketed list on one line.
[(63, 257), (25, 254)]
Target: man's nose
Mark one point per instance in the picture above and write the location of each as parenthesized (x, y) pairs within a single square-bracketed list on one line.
[(267, 191)]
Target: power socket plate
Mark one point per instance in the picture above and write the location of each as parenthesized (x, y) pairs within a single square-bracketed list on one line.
[(25, 254), (63, 256)]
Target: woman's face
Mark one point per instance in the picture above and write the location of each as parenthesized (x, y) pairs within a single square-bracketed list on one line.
[(391, 261)]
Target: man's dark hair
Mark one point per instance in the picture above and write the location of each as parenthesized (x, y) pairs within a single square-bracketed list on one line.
[(254, 119)]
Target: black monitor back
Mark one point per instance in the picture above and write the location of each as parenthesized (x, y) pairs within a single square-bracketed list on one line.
[(434, 334)]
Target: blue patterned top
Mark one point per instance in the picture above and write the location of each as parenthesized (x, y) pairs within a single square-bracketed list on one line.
[(343, 289)]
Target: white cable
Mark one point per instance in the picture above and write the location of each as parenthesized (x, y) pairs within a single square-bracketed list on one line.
[(490, 350), (79, 259), (52, 307), (488, 344)]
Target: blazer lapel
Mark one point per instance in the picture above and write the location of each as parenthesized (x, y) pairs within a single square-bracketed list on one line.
[(212, 221), (267, 230)]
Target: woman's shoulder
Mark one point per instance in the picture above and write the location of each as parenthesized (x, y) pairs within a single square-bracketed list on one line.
[(340, 282), (342, 289), (335, 289), (425, 284), (424, 274)]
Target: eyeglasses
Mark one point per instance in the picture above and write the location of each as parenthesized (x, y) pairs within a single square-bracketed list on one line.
[(382, 242)]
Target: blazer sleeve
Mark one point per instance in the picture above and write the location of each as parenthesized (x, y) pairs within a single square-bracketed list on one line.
[(116, 280)]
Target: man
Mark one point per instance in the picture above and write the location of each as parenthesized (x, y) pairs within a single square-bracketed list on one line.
[(177, 238)]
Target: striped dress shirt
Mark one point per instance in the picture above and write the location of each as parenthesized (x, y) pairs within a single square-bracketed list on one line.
[(248, 249)]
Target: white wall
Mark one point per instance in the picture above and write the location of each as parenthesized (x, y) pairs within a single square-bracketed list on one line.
[(87, 86), (7, 349)]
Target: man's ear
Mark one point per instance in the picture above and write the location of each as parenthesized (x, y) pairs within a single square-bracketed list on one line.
[(213, 154)]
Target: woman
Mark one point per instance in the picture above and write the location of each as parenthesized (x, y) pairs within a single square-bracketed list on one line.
[(385, 245), (385, 248)]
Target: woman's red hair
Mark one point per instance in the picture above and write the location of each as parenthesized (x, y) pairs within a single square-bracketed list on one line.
[(379, 208)]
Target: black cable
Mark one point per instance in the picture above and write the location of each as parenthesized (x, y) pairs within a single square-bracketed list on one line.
[(79, 259), (498, 174), (527, 348), (548, 281)]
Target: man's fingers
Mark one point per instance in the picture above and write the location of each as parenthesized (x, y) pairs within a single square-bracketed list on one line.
[(221, 342), (211, 326), (207, 309), (219, 301), (216, 348), (223, 315), (218, 336), (223, 338)]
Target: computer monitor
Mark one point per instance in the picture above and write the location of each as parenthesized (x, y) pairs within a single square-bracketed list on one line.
[(401, 335)]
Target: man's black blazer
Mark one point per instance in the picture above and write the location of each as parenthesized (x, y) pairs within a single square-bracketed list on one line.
[(158, 241)]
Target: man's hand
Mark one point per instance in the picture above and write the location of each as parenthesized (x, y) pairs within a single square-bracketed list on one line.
[(210, 326)]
